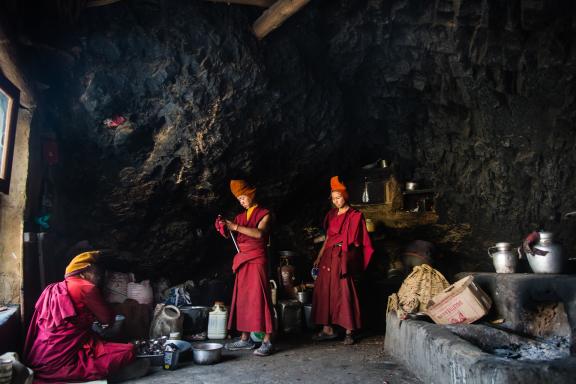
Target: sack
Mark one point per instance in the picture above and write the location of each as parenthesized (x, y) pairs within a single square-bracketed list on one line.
[(141, 292), (416, 291), (116, 286), (178, 296)]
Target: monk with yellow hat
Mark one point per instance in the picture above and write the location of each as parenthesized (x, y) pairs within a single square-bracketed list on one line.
[(61, 346), (251, 309), (345, 253)]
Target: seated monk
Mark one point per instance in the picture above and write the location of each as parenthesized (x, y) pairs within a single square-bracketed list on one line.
[(61, 346)]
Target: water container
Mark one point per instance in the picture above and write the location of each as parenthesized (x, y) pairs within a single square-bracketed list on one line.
[(167, 319), (217, 320)]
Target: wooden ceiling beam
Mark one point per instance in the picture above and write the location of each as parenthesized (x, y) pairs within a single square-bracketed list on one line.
[(257, 3), (277, 14)]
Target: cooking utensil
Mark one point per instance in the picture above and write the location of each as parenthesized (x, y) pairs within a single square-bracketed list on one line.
[(207, 353), (304, 296), (234, 241), (505, 261), (195, 319), (547, 256), (411, 185)]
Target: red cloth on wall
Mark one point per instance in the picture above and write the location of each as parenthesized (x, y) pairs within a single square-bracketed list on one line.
[(60, 346), (348, 251), (251, 304)]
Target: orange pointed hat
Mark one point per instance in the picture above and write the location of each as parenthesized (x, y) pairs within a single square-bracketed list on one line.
[(337, 186), (81, 262), (241, 187)]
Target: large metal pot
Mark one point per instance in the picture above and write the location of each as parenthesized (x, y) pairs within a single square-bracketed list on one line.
[(504, 259), (546, 257), (207, 353), (195, 319)]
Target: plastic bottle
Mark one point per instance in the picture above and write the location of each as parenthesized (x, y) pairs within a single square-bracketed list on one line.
[(365, 195), (217, 319)]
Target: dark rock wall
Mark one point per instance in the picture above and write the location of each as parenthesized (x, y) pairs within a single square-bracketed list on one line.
[(472, 97)]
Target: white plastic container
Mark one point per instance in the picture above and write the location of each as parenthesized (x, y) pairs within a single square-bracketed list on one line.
[(217, 321)]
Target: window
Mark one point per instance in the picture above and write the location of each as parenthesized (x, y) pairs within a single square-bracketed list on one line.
[(9, 102)]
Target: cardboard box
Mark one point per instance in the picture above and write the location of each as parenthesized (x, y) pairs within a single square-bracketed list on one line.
[(462, 302)]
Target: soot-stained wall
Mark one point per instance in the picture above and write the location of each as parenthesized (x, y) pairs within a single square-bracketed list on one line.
[(473, 97)]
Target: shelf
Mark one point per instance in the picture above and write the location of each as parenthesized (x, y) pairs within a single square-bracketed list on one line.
[(384, 215), (418, 192)]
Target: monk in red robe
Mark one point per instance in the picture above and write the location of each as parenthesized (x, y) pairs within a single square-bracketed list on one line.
[(61, 347), (345, 253), (251, 304)]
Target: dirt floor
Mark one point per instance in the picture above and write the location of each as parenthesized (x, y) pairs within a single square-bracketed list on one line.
[(297, 360)]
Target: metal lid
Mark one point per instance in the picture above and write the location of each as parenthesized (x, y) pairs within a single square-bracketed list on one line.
[(546, 235), (504, 245)]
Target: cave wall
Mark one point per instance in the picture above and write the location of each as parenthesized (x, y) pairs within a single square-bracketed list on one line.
[(472, 97), (13, 204), (476, 97)]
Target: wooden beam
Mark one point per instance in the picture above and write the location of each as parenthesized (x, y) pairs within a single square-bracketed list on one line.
[(277, 14), (258, 3)]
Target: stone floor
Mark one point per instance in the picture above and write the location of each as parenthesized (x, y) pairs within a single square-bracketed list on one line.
[(297, 361)]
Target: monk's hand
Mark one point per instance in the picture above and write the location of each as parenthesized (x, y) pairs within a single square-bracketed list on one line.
[(317, 261), (220, 226), (231, 225)]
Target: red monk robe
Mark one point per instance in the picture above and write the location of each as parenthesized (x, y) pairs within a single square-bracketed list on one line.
[(250, 309), (347, 252), (61, 347)]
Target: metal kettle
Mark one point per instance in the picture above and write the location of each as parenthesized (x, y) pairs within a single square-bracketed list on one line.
[(546, 257)]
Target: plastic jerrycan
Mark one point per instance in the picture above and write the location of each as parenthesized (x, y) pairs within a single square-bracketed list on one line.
[(217, 320)]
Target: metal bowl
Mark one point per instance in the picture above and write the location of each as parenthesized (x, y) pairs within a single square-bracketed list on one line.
[(207, 353)]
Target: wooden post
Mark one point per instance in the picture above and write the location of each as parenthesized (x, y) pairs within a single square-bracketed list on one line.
[(274, 16), (258, 3)]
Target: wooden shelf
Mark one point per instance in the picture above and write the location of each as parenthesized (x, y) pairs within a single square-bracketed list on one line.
[(418, 192), (384, 215)]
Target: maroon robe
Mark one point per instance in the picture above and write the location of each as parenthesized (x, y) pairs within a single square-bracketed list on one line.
[(60, 346), (347, 252), (251, 305)]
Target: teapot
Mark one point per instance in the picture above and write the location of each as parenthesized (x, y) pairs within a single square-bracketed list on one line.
[(545, 256)]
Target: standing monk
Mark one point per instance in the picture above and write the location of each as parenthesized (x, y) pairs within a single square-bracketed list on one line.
[(251, 305), (345, 253), (61, 346)]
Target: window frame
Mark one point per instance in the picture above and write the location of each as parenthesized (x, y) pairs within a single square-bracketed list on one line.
[(6, 158)]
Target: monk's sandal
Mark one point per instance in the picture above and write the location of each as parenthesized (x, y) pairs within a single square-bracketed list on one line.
[(349, 339), (266, 349), (240, 345)]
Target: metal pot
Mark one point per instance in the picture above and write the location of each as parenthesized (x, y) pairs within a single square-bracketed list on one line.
[(195, 319), (304, 296), (207, 353), (411, 186), (504, 259), (547, 256)]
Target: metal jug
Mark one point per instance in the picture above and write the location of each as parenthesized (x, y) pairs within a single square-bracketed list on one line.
[(546, 257), (504, 259)]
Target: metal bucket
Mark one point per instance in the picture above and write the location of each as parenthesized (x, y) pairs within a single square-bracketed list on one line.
[(195, 319)]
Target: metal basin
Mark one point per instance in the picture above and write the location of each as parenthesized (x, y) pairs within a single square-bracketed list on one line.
[(207, 353)]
